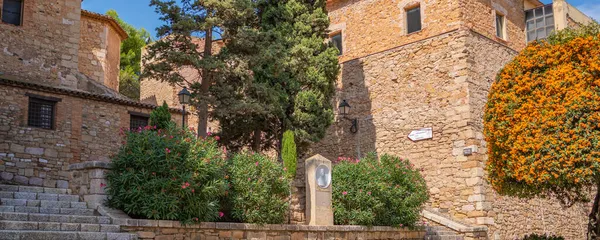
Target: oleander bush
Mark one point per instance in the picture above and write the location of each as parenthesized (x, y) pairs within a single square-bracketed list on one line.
[(542, 237), (383, 192), (168, 174), (259, 189)]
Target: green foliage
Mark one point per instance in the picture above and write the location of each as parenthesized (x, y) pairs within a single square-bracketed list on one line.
[(365, 191), (259, 191), (161, 117), (169, 175), (131, 57), (281, 75), (568, 34), (542, 237), (288, 153)]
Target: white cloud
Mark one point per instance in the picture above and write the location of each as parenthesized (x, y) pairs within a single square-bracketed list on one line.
[(591, 9)]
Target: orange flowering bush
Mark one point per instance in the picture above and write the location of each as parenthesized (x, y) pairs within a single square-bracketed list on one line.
[(542, 119)]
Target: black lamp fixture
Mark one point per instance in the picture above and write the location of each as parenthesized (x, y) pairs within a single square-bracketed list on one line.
[(184, 99), (345, 110)]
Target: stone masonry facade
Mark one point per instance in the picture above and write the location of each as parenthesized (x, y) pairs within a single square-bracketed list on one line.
[(438, 77), (71, 57), (86, 129), (100, 49)]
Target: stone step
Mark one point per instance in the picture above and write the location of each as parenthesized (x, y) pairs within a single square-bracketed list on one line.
[(39, 217), (441, 233), (67, 211), (39, 196), (57, 226), (63, 235), (17, 188), (444, 237), (41, 203)]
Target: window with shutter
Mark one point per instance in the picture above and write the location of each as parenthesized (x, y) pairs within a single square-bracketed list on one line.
[(413, 19)]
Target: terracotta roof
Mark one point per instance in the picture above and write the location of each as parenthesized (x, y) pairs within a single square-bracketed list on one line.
[(76, 93), (106, 19)]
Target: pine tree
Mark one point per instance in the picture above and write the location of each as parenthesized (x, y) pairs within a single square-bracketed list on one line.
[(180, 47), (280, 77)]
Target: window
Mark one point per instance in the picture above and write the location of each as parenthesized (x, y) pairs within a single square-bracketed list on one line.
[(500, 23), (413, 20), (41, 112), (12, 11), (138, 120), (539, 22), (336, 39)]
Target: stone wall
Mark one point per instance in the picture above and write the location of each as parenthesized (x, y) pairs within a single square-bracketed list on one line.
[(44, 49), (167, 230), (391, 97), (443, 86), (480, 16), (99, 51), (92, 50), (86, 129)]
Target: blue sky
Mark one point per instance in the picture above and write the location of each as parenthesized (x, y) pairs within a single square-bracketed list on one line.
[(139, 14)]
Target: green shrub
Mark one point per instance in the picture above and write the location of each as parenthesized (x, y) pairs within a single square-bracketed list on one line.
[(169, 175), (388, 192), (161, 117), (288, 153), (259, 191), (542, 237)]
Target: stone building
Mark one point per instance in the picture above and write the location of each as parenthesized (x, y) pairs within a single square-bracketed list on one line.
[(59, 100), (414, 64)]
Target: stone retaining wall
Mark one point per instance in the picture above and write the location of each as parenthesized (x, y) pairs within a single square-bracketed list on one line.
[(167, 230)]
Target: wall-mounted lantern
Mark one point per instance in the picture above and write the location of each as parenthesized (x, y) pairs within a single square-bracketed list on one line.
[(344, 108)]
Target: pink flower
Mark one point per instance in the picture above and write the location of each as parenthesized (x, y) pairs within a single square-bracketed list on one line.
[(209, 134), (217, 138), (344, 193), (284, 169), (102, 185), (183, 186), (369, 193), (401, 225), (221, 214), (248, 179), (193, 190), (256, 163), (171, 137), (167, 150), (196, 219)]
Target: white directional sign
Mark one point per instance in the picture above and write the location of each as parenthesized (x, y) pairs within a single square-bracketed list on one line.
[(421, 134)]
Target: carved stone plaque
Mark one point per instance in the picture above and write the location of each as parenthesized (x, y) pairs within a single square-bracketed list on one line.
[(323, 175)]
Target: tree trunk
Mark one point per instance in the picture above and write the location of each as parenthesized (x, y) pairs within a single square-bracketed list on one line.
[(205, 85), (256, 141), (593, 225)]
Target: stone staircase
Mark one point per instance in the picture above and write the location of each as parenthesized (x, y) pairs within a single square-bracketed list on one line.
[(38, 213), (442, 233)]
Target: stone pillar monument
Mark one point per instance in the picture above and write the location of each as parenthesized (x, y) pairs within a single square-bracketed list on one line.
[(318, 191)]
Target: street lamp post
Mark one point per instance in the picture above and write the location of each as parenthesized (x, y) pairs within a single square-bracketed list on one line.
[(184, 99)]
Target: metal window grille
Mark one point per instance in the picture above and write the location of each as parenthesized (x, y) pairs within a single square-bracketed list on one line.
[(413, 20), (41, 113), (137, 122), (499, 26), (337, 42), (539, 22), (12, 11)]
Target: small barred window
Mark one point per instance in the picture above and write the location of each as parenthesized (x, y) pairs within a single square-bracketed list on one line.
[(138, 122), (41, 113)]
